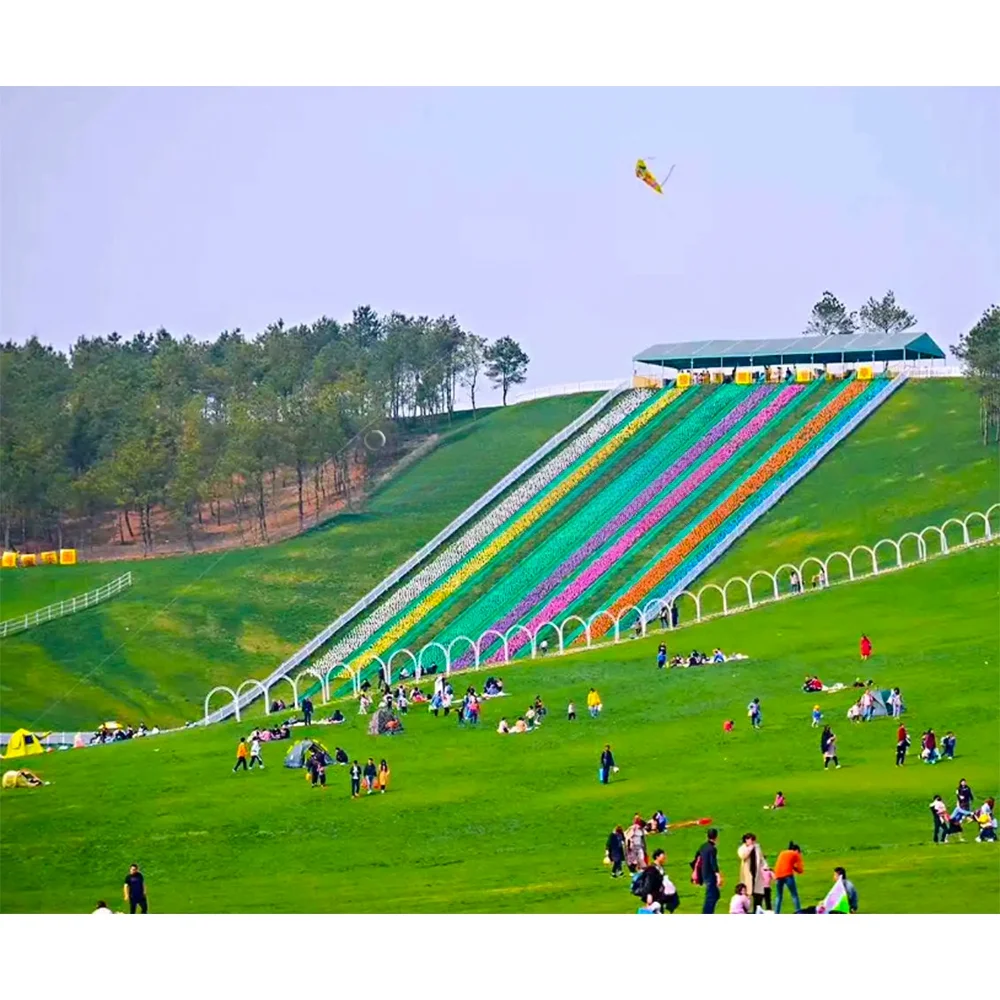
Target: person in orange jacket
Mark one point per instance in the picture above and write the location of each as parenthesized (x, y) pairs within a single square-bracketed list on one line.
[(242, 752), (788, 865)]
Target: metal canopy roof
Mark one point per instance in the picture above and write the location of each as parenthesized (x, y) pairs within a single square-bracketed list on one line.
[(835, 349)]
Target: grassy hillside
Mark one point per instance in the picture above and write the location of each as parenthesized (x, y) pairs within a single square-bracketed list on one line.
[(192, 622), (917, 461), (475, 821), (195, 621)]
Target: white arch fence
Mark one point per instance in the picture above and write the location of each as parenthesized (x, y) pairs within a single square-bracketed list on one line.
[(839, 567)]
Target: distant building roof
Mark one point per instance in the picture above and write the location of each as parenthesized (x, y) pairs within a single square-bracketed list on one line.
[(837, 348)]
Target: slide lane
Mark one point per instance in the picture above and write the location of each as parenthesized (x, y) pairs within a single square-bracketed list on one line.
[(363, 659), (557, 607), (773, 465), (705, 427)]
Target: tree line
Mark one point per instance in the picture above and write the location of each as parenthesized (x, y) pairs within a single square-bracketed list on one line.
[(159, 423)]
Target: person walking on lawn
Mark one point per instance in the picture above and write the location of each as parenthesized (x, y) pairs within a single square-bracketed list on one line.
[(134, 890), (242, 752), (706, 871), (607, 763)]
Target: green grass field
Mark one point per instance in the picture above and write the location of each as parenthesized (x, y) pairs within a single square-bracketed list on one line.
[(475, 821), (191, 622)]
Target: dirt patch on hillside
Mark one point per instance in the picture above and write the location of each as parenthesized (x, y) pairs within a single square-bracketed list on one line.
[(116, 535)]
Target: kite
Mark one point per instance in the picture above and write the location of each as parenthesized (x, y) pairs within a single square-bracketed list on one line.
[(704, 821), (645, 175)]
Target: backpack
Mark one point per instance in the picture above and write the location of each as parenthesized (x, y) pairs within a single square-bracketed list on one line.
[(642, 884), (696, 870)]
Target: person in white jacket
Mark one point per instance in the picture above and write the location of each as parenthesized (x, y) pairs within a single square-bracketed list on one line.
[(255, 757)]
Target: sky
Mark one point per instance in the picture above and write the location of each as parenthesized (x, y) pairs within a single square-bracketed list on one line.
[(516, 210)]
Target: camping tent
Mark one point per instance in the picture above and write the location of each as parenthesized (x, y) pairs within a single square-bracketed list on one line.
[(299, 753), (379, 723), (21, 779), (25, 743), (880, 703)]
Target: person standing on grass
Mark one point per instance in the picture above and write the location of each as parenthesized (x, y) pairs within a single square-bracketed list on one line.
[(242, 752), (607, 763), (134, 890), (896, 703), (752, 866), (663, 619), (902, 745), (615, 849), (571, 712), (941, 820), (661, 656), (866, 647), (788, 865), (383, 775), (753, 710), (255, 757), (307, 710), (817, 717), (355, 780), (371, 773), (831, 750), (654, 886), (706, 871), (594, 705), (635, 845)]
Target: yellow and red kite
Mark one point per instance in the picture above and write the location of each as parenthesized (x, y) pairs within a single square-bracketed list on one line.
[(646, 176)]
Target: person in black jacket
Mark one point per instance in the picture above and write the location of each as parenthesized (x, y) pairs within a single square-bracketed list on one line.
[(653, 886), (307, 710), (616, 851), (607, 763), (708, 874)]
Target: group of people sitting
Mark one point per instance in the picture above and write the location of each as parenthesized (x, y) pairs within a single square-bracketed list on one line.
[(115, 733), (531, 719), (279, 732), (812, 683), (698, 659)]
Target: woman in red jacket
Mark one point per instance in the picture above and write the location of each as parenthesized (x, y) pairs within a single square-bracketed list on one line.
[(866, 647)]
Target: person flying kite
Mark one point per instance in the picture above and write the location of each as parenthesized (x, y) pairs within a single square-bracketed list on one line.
[(646, 176)]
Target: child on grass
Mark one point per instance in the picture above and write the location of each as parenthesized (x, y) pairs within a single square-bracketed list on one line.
[(740, 903)]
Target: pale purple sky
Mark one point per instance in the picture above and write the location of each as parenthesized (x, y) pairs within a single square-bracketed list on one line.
[(516, 210)]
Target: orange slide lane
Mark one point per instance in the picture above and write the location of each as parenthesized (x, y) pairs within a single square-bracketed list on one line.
[(675, 556)]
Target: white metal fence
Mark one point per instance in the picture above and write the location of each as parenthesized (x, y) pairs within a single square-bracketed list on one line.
[(63, 608), (746, 600)]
